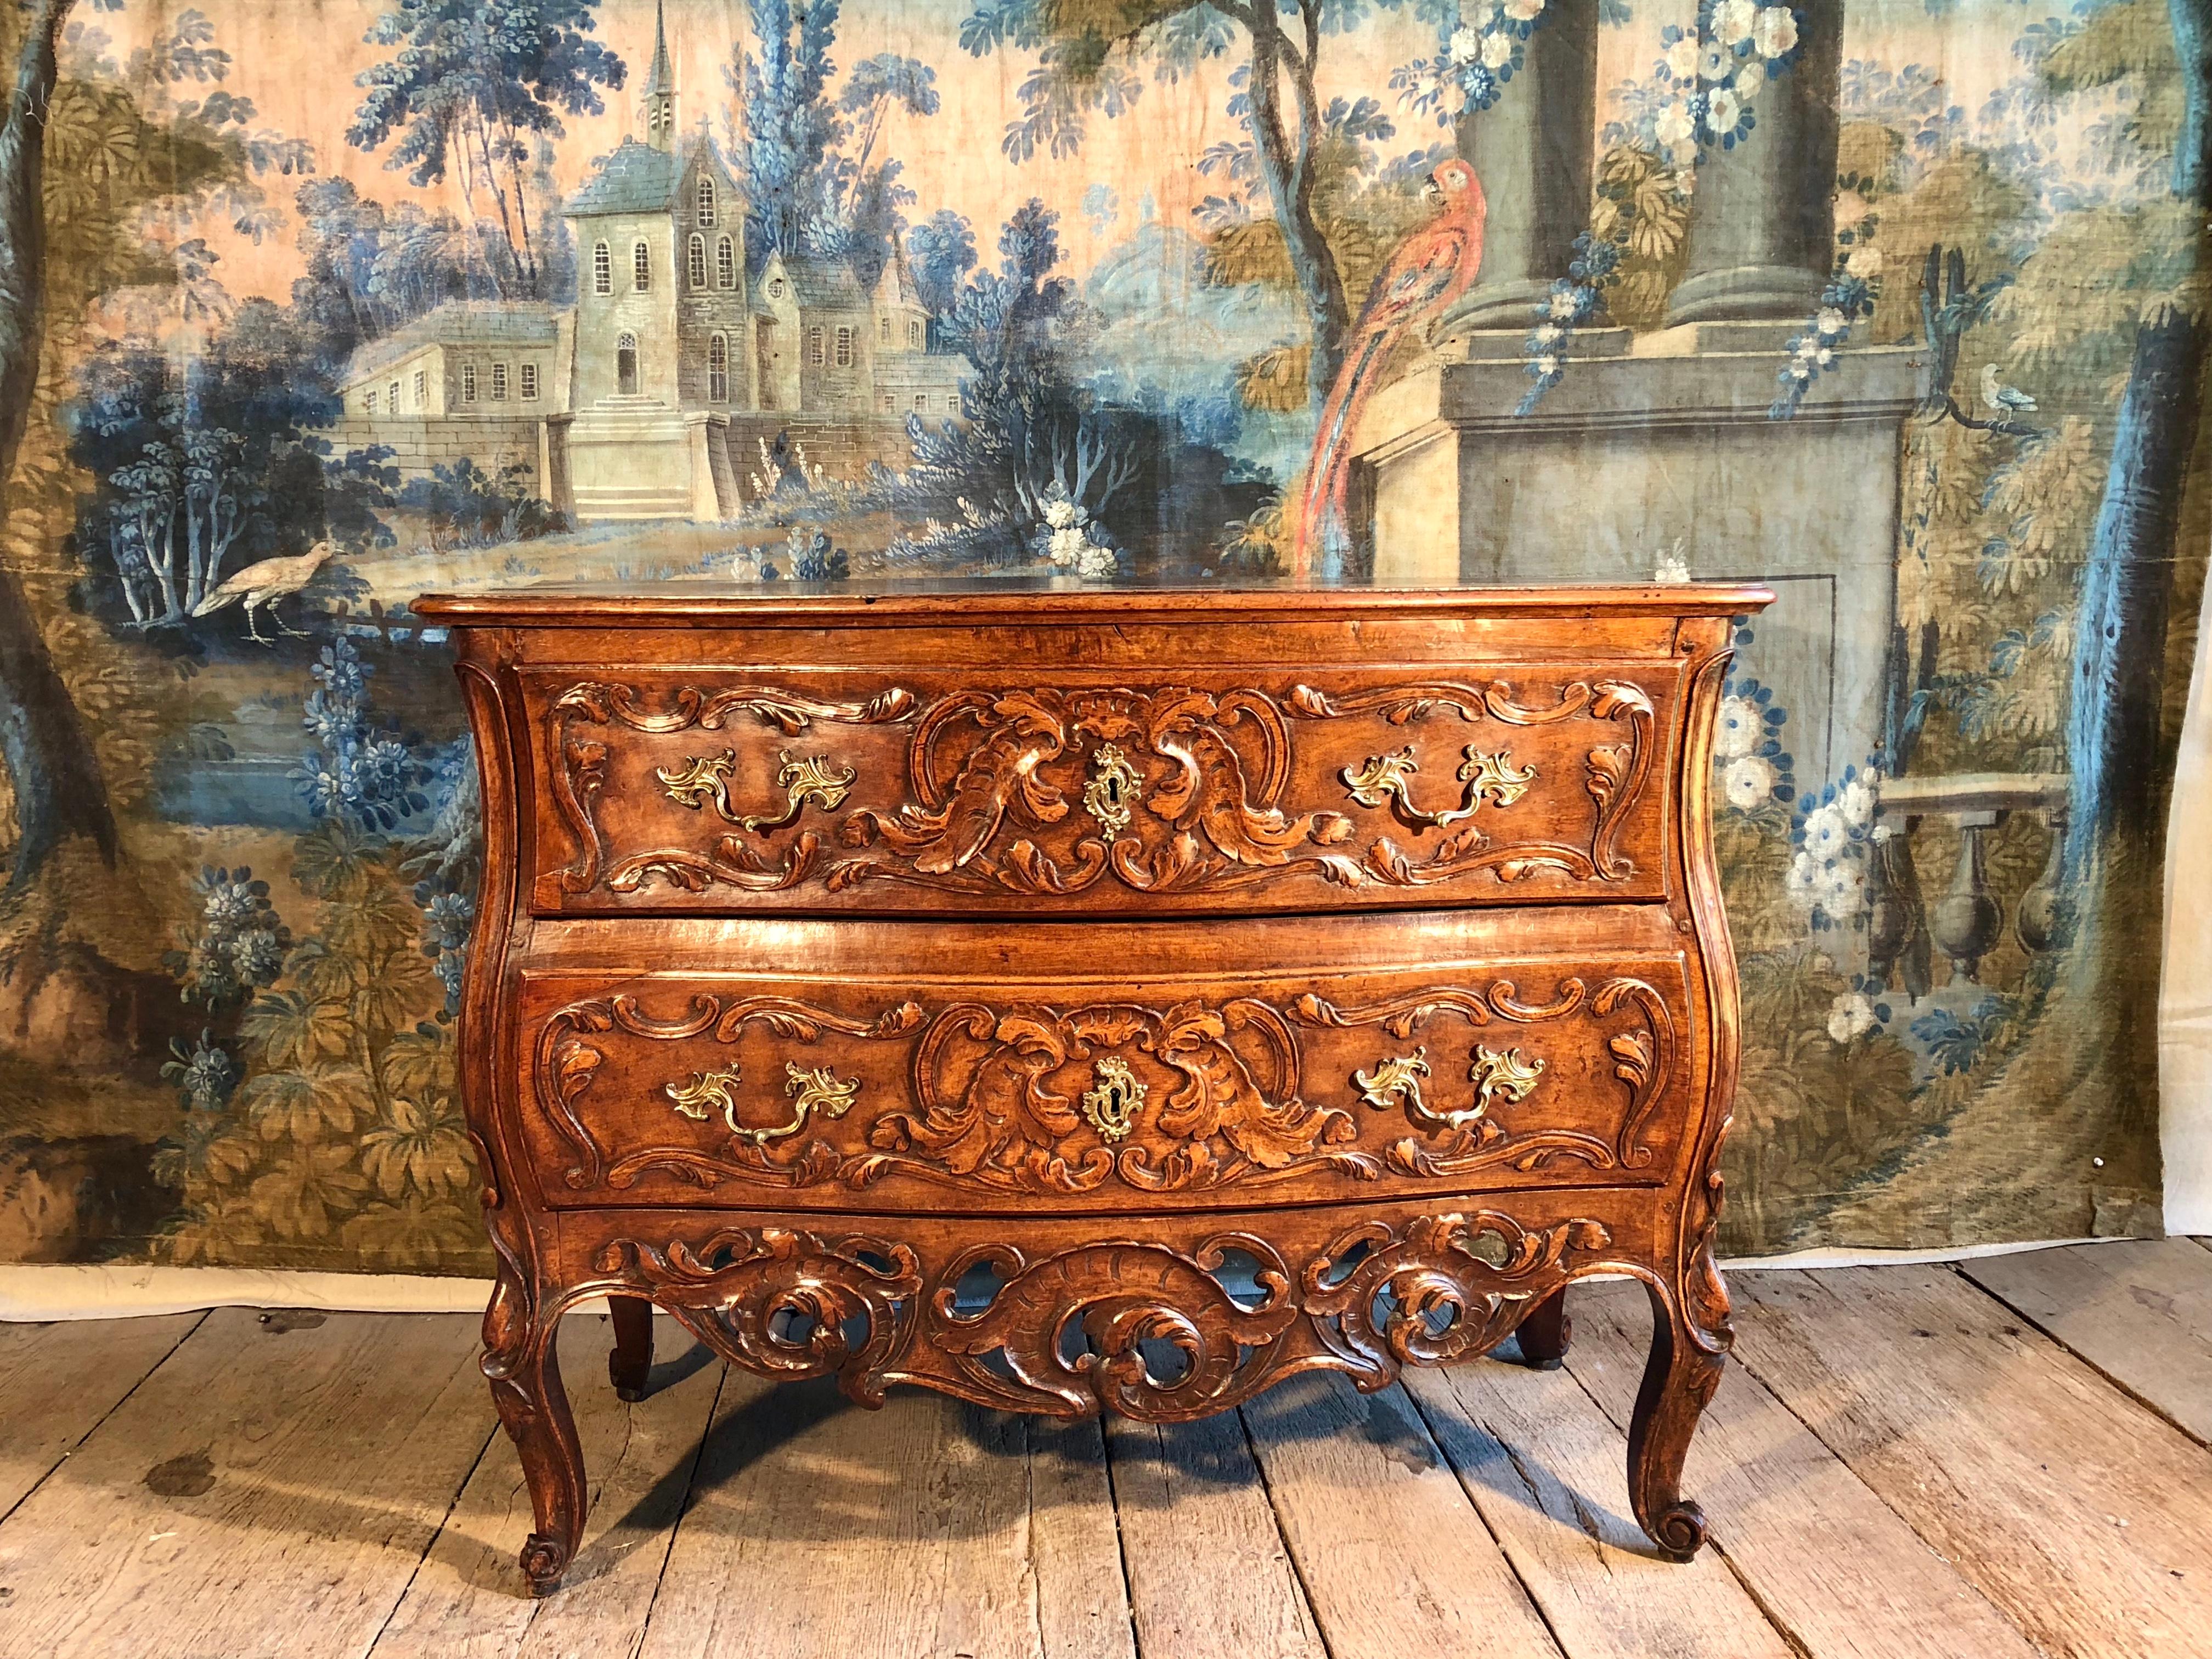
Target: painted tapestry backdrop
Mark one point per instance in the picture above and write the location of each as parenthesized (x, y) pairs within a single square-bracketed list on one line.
[(1892, 303)]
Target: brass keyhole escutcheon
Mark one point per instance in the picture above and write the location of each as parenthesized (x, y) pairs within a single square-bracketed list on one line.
[(1111, 794), (1111, 1107)]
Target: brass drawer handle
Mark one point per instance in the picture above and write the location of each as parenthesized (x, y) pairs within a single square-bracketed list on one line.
[(1388, 778), (706, 778), (817, 1089), (1509, 1076)]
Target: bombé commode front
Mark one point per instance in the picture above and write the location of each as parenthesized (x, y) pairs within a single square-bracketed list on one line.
[(1212, 984)]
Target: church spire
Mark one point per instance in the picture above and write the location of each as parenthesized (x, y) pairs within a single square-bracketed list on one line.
[(660, 87)]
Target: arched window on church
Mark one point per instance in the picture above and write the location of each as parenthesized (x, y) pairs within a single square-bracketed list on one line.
[(814, 346), (718, 369), (602, 268), (725, 263), (696, 264), (626, 364), (706, 200), (641, 260), (844, 348)]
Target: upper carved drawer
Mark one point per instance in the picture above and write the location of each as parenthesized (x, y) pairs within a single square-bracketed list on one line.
[(893, 791)]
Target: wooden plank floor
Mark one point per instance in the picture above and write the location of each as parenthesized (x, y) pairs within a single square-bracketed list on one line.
[(1999, 1460)]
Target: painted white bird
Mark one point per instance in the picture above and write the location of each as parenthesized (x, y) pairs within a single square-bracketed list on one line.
[(2005, 399), (263, 584)]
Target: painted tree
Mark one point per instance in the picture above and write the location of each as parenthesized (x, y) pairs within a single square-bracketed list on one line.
[(791, 125), (58, 786), (472, 88), (941, 249), (1087, 56)]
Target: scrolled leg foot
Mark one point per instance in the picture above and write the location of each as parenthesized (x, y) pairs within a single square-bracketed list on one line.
[(630, 1362), (1545, 1334), (1679, 1381), (525, 1371)]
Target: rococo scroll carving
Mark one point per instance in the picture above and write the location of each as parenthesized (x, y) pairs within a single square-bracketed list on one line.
[(1447, 1287), (1155, 1331), (1184, 787), (579, 763), (781, 1301), (1027, 1099)]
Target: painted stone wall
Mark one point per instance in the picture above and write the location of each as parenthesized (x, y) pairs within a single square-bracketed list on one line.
[(1894, 304)]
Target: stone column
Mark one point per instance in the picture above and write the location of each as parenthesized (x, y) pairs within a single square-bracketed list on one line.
[(1762, 222), (1533, 151)]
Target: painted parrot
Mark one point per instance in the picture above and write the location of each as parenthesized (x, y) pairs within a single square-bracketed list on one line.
[(1431, 269)]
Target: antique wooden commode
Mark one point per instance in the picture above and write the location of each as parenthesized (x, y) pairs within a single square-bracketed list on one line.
[(1206, 985)]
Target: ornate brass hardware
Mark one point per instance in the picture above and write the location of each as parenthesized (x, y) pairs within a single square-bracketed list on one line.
[(1395, 1080), (1112, 792), (810, 777), (818, 1089), (1508, 1077), (1387, 780), (1111, 1107)]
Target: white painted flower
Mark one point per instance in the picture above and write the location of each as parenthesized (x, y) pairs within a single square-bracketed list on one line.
[(1673, 126), (1826, 834), (1734, 21), (1850, 1015), (1723, 110), (1068, 545), (1466, 45), (1549, 334), (1564, 304), (1524, 11), (1671, 567), (1827, 358), (1713, 62), (1749, 76), (1803, 881), (1747, 782), (1060, 512), (1774, 31), (1831, 321), (1801, 371), (1738, 729), (1497, 50), (1855, 800), (1547, 366), (1682, 59), (1808, 349), (1094, 561), (1841, 892), (1864, 263)]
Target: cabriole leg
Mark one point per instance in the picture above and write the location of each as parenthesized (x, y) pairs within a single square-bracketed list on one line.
[(533, 1407), (1545, 1332), (1679, 1381), (631, 1359)]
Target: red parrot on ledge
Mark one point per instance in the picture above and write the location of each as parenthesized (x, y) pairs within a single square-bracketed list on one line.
[(1431, 269)]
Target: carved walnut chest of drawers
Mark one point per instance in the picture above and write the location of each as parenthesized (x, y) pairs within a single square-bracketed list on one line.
[(1109, 998)]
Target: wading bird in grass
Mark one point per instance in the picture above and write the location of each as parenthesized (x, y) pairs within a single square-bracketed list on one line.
[(1431, 269), (260, 586)]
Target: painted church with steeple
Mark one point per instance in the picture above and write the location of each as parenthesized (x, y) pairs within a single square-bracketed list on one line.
[(680, 363)]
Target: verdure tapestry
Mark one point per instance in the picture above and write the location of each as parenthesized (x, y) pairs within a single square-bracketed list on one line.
[(307, 306)]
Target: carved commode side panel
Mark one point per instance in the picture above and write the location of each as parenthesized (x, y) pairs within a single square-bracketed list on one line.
[(1003, 1098), (1154, 1331), (965, 796)]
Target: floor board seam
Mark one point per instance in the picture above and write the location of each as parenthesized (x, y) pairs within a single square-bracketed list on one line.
[(1289, 1555), (1459, 1479), (72, 1450), (431, 1542), (1120, 1538), (2118, 1385), (683, 1514)]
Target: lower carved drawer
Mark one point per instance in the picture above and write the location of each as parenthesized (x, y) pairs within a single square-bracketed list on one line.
[(1078, 1095)]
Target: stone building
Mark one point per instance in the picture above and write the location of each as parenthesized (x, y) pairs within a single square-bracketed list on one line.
[(651, 399)]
